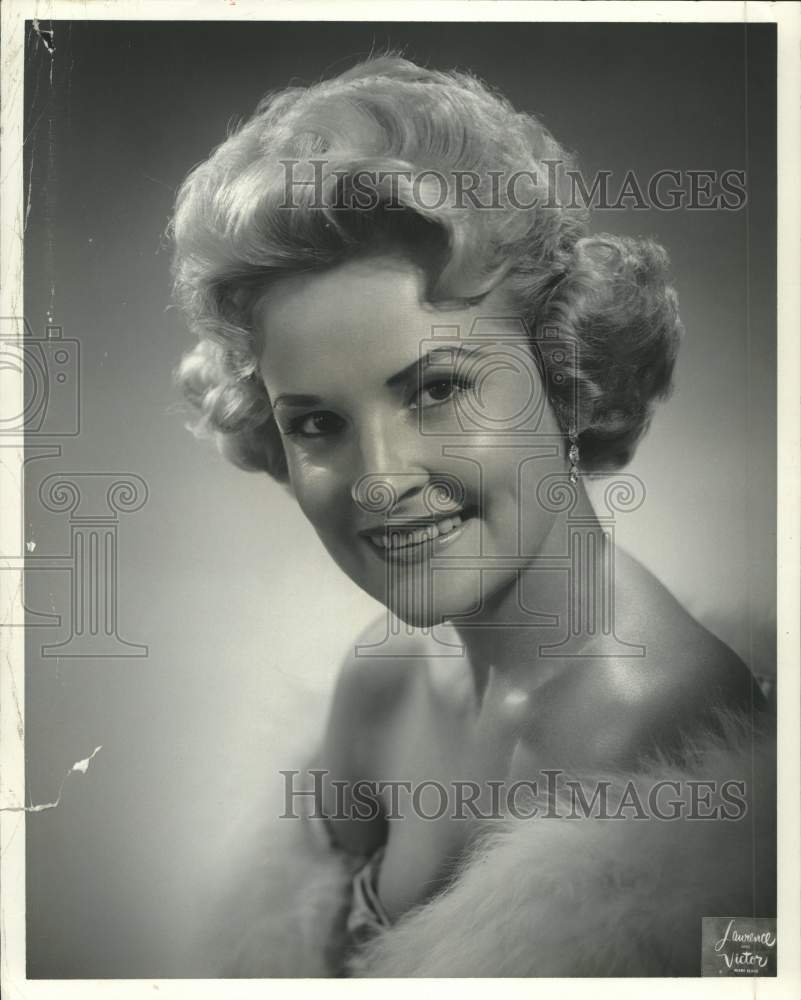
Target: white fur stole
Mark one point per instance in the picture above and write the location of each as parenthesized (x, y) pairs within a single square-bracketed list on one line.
[(536, 897)]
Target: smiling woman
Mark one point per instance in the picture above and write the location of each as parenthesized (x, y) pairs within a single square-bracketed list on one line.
[(435, 377), (355, 419)]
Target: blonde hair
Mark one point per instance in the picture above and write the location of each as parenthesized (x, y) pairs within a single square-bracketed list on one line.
[(388, 118)]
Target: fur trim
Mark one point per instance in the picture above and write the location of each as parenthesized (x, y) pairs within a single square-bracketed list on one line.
[(283, 907), (600, 897), (536, 897)]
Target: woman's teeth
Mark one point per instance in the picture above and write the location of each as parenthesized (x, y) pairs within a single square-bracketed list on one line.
[(397, 538)]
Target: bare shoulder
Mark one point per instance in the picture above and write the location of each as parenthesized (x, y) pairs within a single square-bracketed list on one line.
[(378, 669), (682, 659), (375, 676), (681, 656), (613, 711), (373, 681)]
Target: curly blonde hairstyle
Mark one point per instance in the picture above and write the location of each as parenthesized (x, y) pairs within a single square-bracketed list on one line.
[(233, 234)]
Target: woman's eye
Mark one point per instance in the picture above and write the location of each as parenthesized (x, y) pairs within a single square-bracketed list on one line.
[(321, 424), (439, 391)]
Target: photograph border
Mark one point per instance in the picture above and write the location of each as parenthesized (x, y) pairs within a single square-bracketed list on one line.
[(787, 17)]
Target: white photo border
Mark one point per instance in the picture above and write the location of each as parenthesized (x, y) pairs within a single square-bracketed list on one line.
[(787, 17)]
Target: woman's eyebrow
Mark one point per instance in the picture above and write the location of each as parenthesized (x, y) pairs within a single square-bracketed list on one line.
[(295, 399), (439, 356)]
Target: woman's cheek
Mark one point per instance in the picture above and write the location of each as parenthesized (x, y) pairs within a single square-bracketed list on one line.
[(320, 492)]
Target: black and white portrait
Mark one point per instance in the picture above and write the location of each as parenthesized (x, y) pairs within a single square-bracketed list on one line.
[(399, 410)]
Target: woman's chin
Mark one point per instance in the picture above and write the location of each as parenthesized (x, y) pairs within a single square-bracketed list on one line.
[(433, 613), (415, 619)]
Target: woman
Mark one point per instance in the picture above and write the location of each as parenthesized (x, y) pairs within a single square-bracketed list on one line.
[(403, 317)]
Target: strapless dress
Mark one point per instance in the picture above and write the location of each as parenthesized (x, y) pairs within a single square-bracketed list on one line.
[(366, 915)]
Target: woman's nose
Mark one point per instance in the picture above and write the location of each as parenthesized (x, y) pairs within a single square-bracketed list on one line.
[(392, 466)]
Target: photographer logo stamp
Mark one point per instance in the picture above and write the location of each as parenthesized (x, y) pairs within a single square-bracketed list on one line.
[(738, 946)]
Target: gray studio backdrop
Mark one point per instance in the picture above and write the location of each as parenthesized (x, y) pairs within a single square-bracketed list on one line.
[(227, 610)]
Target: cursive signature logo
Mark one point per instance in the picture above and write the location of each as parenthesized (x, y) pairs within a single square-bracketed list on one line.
[(739, 946)]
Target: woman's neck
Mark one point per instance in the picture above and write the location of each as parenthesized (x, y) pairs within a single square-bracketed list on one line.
[(506, 634)]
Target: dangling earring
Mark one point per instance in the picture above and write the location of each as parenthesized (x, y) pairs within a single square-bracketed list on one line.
[(573, 457)]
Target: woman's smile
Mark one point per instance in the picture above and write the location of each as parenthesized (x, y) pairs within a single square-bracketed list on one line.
[(389, 410), (399, 542), (439, 386)]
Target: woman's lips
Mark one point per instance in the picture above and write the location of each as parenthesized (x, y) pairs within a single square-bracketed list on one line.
[(398, 543)]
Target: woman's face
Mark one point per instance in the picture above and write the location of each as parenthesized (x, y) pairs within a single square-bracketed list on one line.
[(415, 436)]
